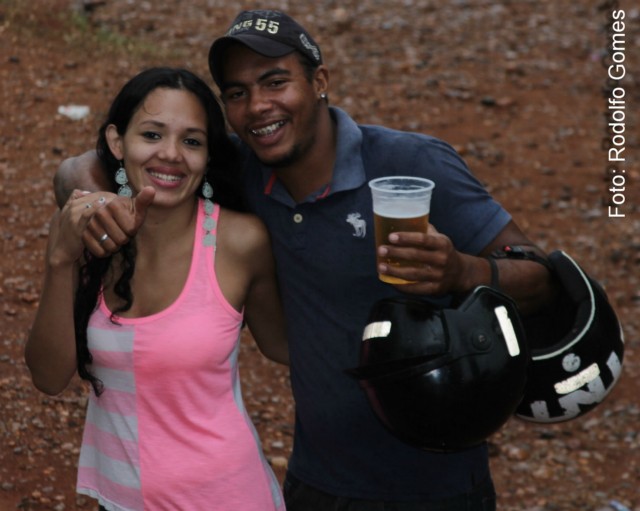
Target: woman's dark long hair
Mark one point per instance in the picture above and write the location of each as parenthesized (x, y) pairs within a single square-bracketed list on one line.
[(222, 172)]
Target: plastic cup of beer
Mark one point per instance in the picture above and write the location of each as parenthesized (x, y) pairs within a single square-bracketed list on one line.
[(400, 204)]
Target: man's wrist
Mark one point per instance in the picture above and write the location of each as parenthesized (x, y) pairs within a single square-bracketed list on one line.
[(476, 272)]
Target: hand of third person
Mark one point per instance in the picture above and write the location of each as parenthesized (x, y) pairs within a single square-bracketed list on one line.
[(116, 222), (69, 224)]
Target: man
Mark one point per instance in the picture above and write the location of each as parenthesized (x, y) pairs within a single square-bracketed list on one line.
[(307, 166)]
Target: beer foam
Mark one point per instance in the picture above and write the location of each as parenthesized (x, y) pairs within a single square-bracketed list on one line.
[(401, 210)]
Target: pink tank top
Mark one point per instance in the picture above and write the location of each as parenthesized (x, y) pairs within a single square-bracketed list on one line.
[(170, 431)]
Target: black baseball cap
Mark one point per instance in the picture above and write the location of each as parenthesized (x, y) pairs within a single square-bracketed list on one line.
[(269, 33)]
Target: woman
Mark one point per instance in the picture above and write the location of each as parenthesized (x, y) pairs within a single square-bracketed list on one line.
[(155, 328)]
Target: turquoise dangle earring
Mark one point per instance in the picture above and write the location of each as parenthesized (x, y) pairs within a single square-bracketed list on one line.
[(209, 223), (122, 180)]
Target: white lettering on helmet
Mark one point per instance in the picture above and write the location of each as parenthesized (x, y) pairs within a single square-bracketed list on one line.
[(539, 410), (509, 334), (615, 366), (571, 401), (571, 363), (579, 380), (377, 329)]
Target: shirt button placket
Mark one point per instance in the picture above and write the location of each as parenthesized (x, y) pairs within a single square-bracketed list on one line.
[(299, 231)]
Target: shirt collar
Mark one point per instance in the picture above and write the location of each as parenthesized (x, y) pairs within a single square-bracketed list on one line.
[(348, 170)]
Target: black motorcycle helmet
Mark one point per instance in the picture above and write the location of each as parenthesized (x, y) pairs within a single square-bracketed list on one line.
[(577, 349), (444, 379)]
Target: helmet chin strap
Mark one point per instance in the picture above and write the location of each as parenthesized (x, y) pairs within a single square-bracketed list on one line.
[(518, 252)]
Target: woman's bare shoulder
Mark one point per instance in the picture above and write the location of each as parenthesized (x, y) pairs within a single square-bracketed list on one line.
[(242, 232)]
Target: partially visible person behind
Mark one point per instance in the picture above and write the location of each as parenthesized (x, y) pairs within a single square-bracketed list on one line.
[(306, 165), (155, 327)]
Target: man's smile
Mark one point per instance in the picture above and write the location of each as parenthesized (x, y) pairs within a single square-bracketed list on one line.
[(267, 130)]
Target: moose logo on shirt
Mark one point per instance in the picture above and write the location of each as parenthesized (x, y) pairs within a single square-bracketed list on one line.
[(359, 224)]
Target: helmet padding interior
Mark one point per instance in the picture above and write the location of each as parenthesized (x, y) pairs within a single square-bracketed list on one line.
[(558, 325)]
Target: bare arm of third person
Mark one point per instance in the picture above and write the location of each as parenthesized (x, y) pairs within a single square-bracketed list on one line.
[(83, 172), (50, 351)]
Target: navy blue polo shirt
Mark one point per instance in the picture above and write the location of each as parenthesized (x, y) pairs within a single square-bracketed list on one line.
[(325, 255)]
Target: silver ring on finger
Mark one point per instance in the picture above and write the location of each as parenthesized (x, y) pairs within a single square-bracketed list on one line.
[(88, 205), (103, 238)]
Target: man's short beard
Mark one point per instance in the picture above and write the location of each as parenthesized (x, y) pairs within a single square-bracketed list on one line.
[(297, 151), (288, 159)]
